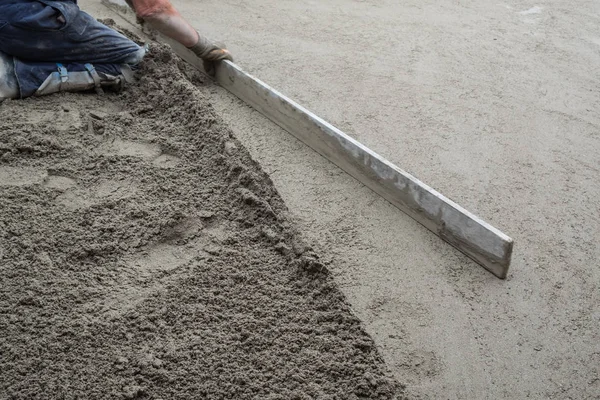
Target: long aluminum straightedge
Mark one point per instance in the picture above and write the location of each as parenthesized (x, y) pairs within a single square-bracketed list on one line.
[(485, 244)]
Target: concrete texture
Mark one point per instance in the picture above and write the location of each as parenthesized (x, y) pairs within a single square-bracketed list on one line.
[(493, 104), (483, 243), (144, 255)]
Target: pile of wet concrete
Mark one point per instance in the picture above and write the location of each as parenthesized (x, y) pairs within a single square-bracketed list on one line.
[(144, 254)]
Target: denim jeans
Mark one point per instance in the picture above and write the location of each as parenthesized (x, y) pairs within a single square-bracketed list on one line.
[(40, 33)]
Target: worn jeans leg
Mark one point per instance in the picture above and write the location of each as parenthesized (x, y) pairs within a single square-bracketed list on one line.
[(58, 31), (45, 37)]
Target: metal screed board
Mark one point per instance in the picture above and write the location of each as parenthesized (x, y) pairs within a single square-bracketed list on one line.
[(485, 244)]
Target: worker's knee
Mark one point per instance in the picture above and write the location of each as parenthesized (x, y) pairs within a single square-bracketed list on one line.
[(135, 57)]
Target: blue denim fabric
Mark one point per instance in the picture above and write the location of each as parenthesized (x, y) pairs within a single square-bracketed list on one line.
[(40, 33), (58, 31)]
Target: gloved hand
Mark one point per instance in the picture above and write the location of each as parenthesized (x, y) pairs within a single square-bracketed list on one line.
[(210, 53)]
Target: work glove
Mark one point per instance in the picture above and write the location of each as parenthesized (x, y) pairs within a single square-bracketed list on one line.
[(210, 53)]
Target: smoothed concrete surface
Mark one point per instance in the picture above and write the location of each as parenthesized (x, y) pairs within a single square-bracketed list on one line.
[(493, 104)]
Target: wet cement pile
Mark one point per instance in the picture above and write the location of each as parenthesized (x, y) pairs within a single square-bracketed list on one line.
[(143, 254)]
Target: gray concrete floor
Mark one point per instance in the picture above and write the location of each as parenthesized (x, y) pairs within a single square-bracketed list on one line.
[(497, 106)]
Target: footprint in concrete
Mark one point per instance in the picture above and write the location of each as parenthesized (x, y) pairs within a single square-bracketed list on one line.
[(166, 161), (115, 190), (62, 120), (198, 233), (106, 191), (128, 148), (149, 271), (219, 231), (21, 176), (188, 228), (143, 277), (76, 199), (58, 182), (161, 257), (213, 237)]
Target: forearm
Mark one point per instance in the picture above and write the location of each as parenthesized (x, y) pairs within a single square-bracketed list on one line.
[(163, 17)]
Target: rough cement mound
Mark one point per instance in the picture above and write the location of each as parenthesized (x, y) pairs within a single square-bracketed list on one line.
[(143, 254)]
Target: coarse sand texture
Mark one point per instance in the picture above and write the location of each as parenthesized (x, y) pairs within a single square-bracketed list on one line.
[(144, 254)]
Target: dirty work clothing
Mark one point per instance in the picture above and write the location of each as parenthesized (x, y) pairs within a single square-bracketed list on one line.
[(58, 31), (40, 33)]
